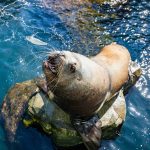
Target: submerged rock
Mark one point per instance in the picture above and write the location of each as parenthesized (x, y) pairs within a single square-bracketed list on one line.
[(14, 105)]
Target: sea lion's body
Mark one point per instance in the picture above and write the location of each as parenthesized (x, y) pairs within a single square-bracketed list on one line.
[(82, 84), (116, 59)]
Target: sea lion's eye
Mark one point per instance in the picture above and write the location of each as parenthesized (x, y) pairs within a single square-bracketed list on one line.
[(72, 68)]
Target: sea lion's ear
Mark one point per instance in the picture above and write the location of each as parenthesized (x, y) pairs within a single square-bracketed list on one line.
[(72, 67)]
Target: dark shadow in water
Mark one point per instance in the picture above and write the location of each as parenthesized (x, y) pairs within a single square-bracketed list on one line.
[(6, 2)]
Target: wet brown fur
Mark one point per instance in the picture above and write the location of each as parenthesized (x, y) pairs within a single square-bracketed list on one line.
[(116, 59)]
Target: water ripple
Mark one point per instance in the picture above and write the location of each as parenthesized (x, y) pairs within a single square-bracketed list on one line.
[(83, 27)]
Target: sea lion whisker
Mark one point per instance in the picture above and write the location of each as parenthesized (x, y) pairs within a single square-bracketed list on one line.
[(50, 81), (37, 55), (59, 73), (33, 53), (52, 89), (36, 68), (35, 58), (24, 60), (54, 85), (42, 52), (33, 62)]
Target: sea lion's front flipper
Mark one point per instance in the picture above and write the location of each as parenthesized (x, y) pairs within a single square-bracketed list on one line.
[(90, 131), (41, 83)]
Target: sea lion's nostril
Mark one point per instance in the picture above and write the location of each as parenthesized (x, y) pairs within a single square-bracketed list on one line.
[(50, 58), (53, 58)]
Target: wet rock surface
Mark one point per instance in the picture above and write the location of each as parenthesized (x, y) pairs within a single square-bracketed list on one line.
[(56, 122)]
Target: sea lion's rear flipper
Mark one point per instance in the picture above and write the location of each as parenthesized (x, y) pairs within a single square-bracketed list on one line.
[(134, 74), (92, 139), (90, 131)]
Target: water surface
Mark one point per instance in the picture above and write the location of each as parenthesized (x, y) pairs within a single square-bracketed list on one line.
[(83, 27)]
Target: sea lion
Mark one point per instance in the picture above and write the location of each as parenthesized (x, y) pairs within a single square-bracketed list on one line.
[(80, 84)]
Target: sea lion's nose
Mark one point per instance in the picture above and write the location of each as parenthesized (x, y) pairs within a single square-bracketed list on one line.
[(54, 59), (53, 62)]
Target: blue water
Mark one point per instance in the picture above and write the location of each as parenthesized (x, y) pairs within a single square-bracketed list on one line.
[(79, 29)]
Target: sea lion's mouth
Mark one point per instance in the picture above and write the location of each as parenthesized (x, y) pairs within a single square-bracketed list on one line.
[(53, 63)]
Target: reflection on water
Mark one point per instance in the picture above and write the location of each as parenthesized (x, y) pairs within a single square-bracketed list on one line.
[(80, 19), (133, 29), (83, 27)]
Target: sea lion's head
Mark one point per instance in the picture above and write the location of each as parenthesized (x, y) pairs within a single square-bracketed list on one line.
[(73, 80), (61, 68)]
